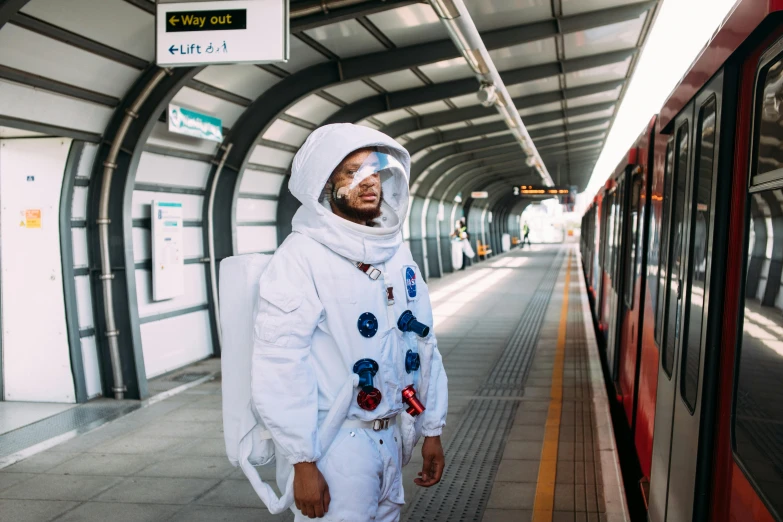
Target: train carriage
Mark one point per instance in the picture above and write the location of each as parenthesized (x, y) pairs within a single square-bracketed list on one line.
[(685, 253)]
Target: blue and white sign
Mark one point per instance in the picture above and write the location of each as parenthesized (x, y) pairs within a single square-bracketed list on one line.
[(409, 273), (222, 31), (192, 123)]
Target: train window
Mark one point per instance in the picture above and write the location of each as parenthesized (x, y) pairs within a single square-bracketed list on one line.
[(659, 244), (673, 281), (758, 406), (630, 265), (769, 125), (702, 196)]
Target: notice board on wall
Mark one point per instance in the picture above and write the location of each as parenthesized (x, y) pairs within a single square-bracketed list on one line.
[(168, 260)]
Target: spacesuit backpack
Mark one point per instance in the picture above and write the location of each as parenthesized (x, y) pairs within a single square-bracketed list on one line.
[(248, 442)]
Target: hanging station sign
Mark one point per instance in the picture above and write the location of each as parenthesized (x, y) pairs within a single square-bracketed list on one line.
[(540, 191), (221, 31), (195, 124), (479, 195)]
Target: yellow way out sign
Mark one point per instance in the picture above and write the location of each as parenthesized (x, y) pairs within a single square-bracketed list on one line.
[(217, 20)]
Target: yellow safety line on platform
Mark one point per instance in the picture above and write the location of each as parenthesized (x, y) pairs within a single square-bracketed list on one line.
[(547, 470)]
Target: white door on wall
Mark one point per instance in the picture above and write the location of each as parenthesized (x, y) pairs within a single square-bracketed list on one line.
[(36, 362)]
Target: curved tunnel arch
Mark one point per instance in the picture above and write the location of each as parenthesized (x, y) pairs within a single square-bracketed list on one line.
[(254, 111)]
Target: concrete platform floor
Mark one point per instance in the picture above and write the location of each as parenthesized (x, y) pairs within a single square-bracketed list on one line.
[(167, 460)]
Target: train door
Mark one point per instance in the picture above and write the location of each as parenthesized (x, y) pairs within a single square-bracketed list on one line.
[(617, 306), (757, 430), (675, 483)]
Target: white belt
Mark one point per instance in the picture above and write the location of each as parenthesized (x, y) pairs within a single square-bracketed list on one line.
[(374, 425)]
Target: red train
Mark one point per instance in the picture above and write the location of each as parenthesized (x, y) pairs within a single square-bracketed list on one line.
[(683, 256)]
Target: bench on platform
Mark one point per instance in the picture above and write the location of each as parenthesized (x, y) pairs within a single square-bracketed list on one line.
[(483, 250)]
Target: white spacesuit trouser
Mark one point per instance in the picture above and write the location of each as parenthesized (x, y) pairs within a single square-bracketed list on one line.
[(363, 472)]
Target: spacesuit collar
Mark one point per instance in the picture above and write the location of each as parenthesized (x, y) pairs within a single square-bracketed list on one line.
[(324, 149)]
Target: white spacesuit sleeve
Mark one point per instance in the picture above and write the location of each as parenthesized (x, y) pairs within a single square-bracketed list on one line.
[(285, 393), (438, 392)]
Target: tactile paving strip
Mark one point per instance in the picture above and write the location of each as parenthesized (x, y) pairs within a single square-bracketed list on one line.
[(474, 452), (509, 374), (473, 456), (82, 418)]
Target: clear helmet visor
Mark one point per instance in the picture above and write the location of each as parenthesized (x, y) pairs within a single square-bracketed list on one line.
[(365, 180)]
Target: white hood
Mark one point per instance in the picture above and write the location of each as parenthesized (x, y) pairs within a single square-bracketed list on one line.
[(323, 151)]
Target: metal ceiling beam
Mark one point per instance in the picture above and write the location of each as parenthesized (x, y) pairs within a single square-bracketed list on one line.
[(436, 138), (460, 148), (9, 8), (367, 107), (542, 144), (437, 119), (456, 166)]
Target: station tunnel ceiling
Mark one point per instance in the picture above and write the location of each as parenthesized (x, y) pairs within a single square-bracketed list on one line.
[(65, 68)]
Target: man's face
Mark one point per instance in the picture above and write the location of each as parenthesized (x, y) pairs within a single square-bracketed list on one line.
[(363, 202)]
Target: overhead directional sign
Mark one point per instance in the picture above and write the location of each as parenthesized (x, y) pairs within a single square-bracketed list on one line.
[(540, 191), (479, 195), (222, 31)]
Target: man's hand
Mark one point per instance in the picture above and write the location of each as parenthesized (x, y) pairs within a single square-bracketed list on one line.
[(434, 462), (311, 493)]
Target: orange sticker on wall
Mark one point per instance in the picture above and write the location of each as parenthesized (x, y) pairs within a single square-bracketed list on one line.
[(32, 218)]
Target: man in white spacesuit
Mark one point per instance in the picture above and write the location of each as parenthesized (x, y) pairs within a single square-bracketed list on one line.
[(343, 299)]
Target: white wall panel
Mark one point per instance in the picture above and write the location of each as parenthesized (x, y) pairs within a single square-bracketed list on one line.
[(346, 39), (84, 301), (302, 56), (33, 321), (142, 244), (430, 108), (258, 182), (9, 132), (80, 246), (524, 55), (87, 160), (115, 23), (604, 39), (142, 200), (493, 14), (398, 80), (282, 131), (313, 109), (351, 91), (168, 170), (604, 73), (539, 86), (79, 203), (256, 210), (256, 239), (245, 80), (273, 157), (92, 367), (390, 117), (40, 106), (28, 51), (466, 100), (195, 292), (206, 103), (175, 342), (162, 137), (409, 25), (447, 70)]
